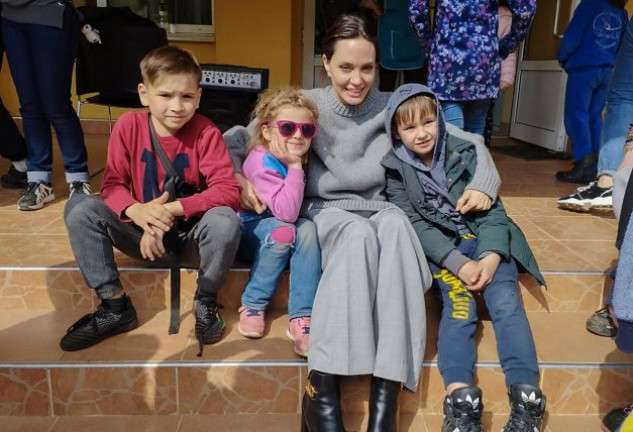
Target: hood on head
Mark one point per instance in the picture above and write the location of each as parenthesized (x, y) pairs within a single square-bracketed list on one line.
[(399, 96)]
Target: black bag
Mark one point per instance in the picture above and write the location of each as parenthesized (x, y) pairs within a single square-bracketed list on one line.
[(177, 187)]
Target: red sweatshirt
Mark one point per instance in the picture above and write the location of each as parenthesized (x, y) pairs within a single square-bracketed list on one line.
[(133, 174)]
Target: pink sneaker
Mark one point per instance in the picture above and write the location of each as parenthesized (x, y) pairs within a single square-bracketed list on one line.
[(251, 323), (298, 331)]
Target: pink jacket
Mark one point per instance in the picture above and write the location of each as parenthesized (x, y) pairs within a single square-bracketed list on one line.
[(509, 65), (279, 187)]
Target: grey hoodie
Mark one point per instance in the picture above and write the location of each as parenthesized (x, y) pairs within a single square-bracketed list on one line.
[(433, 178)]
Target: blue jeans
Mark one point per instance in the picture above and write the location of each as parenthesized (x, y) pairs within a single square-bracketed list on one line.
[(41, 60), (467, 115), (269, 258), (585, 96), (619, 113), (457, 350)]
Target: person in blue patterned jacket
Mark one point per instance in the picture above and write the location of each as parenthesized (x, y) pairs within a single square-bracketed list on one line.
[(465, 53)]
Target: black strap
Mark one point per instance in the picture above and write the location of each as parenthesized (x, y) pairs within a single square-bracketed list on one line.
[(174, 271)]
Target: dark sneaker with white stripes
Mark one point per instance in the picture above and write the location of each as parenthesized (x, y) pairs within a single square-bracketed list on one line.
[(528, 407), (462, 411), (113, 316), (79, 188), (586, 198), (36, 195)]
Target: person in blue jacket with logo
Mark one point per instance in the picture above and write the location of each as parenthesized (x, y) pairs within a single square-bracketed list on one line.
[(587, 53)]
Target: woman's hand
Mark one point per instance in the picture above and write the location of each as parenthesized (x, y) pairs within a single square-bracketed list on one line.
[(473, 200), (249, 199)]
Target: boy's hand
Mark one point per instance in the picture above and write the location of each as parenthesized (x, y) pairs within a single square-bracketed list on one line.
[(249, 199), (152, 216), (484, 272), (152, 246), (473, 200), (467, 271), (279, 149), (175, 208)]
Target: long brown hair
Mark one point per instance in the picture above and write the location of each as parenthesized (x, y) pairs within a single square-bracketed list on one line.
[(347, 26)]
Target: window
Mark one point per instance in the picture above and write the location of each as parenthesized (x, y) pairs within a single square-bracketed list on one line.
[(183, 19)]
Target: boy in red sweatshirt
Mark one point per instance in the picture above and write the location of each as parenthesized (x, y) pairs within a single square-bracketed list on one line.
[(135, 213)]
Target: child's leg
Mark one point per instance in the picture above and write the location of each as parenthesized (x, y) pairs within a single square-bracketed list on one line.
[(268, 242), (515, 344), (211, 244), (456, 343), (93, 230), (596, 107), (305, 269)]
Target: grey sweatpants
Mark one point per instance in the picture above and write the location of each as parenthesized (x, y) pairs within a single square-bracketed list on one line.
[(368, 315), (94, 229)]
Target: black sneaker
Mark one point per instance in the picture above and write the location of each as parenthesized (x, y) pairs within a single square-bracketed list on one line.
[(614, 421), (13, 179), (462, 411), (113, 316), (587, 198), (601, 323), (210, 326), (79, 188), (35, 196), (528, 406)]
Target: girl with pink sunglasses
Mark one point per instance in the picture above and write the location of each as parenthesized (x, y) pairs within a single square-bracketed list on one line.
[(275, 235)]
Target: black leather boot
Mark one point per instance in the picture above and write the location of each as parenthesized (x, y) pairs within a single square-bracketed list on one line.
[(383, 405), (583, 171), (321, 405)]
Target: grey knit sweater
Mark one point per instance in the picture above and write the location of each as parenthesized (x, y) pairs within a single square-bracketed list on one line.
[(344, 169)]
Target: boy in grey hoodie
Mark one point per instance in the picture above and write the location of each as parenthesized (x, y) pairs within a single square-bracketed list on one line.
[(469, 254)]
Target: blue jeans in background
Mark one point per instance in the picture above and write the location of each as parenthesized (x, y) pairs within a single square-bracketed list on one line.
[(467, 115), (457, 350), (269, 259), (585, 96), (619, 114), (41, 60)]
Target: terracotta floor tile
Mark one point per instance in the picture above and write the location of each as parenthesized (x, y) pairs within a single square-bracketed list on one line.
[(114, 391), (570, 342), (129, 423), (598, 254), (554, 255), (25, 392), (33, 336), (28, 424), (240, 390), (234, 423), (565, 293)]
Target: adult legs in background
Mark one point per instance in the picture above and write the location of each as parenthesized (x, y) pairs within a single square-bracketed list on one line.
[(619, 110), (41, 60), (584, 100), (618, 117)]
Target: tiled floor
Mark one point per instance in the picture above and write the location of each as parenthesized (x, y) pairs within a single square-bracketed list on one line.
[(146, 372)]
